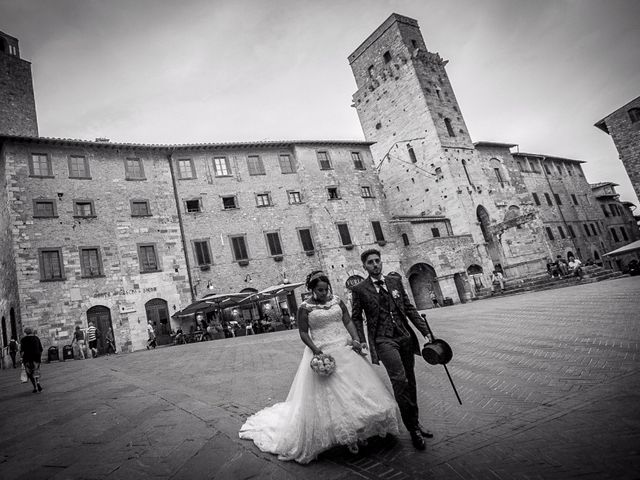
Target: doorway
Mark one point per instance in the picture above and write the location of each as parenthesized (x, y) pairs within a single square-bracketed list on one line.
[(158, 313), (101, 318), (423, 280)]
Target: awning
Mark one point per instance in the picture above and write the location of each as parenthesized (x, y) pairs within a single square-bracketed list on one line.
[(272, 292), (211, 302), (632, 247)]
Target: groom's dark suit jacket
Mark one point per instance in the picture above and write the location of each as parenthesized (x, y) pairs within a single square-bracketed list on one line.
[(366, 298)]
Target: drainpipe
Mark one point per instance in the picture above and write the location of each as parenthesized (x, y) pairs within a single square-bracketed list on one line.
[(182, 236), (566, 227)]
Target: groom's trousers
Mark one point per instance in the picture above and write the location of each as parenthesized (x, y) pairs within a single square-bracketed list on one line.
[(397, 356)]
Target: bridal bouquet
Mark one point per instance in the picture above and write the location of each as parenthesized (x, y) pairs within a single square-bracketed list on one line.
[(323, 364)]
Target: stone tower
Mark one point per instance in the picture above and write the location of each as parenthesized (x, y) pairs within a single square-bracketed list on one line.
[(426, 160), (17, 101)]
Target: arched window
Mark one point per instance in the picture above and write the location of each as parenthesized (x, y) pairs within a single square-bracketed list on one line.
[(405, 239), (634, 115), (450, 131)]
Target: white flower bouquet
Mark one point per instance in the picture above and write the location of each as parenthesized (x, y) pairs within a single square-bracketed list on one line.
[(323, 364)]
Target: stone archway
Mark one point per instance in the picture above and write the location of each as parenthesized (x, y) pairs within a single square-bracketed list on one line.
[(101, 318), (157, 311), (423, 280)]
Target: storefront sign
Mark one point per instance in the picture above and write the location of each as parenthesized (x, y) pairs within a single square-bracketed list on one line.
[(123, 293)]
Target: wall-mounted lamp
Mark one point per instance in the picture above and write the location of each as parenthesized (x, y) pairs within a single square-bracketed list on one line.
[(247, 278), (60, 194), (209, 285)]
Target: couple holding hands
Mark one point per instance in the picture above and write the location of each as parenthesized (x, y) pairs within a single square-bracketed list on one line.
[(353, 403)]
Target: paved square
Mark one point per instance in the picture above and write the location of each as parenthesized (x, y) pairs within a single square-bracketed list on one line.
[(549, 381)]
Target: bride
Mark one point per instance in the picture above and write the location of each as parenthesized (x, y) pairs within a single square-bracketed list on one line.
[(348, 406)]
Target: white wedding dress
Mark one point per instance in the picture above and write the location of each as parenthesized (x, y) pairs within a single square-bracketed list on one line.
[(320, 412)]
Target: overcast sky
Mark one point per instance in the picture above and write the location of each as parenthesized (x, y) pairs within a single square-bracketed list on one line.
[(535, 73)]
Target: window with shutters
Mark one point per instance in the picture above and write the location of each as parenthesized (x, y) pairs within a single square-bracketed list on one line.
[(239, 247), (263, 199), (286, 164), (202, 252), (345, 236), (44, 208), (306, 240), (357, 161), (366, 192), (324, 161), (294, 197), (273, 243), (256, 167), (83, 208), (140, 208), (40, 165), (78, 167), (90, 262), (148, 258), (221, 166), (51, 265), (377, 231)]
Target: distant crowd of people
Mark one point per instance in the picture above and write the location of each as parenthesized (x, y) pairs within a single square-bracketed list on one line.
[(563, 268)]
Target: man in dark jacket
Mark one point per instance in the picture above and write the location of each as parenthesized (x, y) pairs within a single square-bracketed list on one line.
[(391, 339), (31, 351)]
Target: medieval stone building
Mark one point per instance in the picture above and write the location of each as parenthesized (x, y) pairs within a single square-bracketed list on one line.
[(120, 234)]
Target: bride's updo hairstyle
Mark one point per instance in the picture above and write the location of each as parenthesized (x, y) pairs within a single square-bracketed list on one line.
[(317, 276)]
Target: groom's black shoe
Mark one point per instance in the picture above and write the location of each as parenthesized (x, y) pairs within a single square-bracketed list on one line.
[(424, 432), (417, 440)]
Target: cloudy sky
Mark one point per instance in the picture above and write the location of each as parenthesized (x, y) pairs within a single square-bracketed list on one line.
[(535, 73)]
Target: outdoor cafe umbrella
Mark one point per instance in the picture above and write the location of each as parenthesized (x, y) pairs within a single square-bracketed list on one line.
[(272, 292), (632, 247), (213, 301)]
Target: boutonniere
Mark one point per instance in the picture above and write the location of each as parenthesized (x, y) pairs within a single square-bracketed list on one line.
[(395, 294)]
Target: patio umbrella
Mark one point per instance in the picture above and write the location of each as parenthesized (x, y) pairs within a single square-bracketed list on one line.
[(212, 301), (272, 292), (632, 247)]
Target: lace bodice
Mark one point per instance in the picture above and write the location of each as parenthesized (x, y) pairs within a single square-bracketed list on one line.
[(325, 322)]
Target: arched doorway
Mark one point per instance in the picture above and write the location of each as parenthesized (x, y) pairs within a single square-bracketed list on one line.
[(158, 312), (5, 340), (475, 272), (12, 321), (423, 280), (461, 287), (101, 318)]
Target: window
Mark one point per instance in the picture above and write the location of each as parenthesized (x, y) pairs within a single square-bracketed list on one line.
[(193, 205), (412, 154), (593, 229), (133, 169), (377, 231), (586, 229), (435, 231), (614, 235), (604, 210), (370, 70), (286, 164), (256, 167), (559, 168), (44, 208), (624, 233), (294, 197), (263, 199), (546, 168), (549, 202), (557, 197), (140, 208), (450, 131), (273, 243), (40, 165), (148, 258), (534, 165), (345, 236), (90, 262), (561, 232), (574, 199), (520, 166), (466, 172), (535, 198), (333, 193), (549, 233), (202, 252), (499, 176), (306, 239), (405, 239), (229, 202), (634, 115), (571, 232), (78, 167), (186, 169), (83, 208), (386, 56), (324, 161), (357, 161), (366, 192), (569, 169), (221, 166), (612, 207), (239, 248), (51, 266)]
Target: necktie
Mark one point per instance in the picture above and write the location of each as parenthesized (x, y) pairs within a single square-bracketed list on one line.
[(380, 284)]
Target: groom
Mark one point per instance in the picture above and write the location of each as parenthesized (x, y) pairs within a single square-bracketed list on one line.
[(391, 339)]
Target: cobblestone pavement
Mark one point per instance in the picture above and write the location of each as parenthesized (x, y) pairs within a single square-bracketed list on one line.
[(549, 381)]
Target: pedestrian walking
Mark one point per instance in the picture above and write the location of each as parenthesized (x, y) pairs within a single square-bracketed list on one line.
[(13, 349), (151, 335), (31, 351), (434, 299), (92, 337), (78, 339), (111, 344)]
